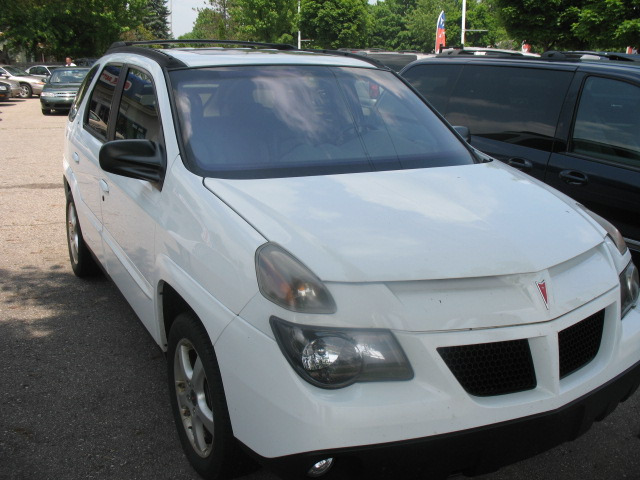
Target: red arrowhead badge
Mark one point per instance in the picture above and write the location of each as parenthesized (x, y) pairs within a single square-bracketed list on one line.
[(542, 288)]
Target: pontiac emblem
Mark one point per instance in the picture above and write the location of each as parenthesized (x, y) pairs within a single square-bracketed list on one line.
[(542, 288)]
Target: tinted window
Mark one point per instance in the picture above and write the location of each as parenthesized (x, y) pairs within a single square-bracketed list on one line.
[(100, 101), (608, 121), (434, 82), (82, 91), (510, 104), (285, 121), (138, 114)]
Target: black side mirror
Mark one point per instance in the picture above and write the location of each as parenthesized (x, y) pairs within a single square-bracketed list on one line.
[(141, 159)]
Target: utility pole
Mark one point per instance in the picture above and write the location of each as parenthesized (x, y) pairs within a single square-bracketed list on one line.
[(464, 23)]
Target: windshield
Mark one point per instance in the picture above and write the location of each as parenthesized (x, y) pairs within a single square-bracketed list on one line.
[(274, 121), (68, 75), (15, 71)]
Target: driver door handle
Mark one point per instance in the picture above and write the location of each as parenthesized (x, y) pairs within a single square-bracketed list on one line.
[(520, 164), (574, 177)]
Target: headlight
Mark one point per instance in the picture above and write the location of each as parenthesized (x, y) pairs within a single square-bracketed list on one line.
[(285, 281), (47, 94), (330, 357), (612, 231), (629, 288), (3, 88)]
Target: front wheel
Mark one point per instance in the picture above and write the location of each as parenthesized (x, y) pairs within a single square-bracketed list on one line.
[(82, 263), (25, 90), (197, 398)]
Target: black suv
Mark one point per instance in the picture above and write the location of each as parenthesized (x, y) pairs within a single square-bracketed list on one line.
[(572, 124)]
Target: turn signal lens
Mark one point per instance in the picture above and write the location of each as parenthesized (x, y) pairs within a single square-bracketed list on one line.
[(285, 281), (629, 288)]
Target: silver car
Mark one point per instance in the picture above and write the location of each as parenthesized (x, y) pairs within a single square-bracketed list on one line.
[(29, 85)]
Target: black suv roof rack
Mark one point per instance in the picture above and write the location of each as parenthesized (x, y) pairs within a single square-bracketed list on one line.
[(589, 55)]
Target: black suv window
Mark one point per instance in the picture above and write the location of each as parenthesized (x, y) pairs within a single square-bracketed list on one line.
[(511, 104), (434, 82), (608, 123), (271, 121), (138, 113), (100, 101)]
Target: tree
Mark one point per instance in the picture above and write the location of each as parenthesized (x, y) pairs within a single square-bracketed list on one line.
[(266, 20), (69, 27), (211, 24), (156, 19), (335, 23), (545, 24), (608, 25), (214, 22), (389, 29)]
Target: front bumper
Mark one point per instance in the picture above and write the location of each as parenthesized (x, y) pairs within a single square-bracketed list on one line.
[(60, 101), (473, 451), (431, 421)]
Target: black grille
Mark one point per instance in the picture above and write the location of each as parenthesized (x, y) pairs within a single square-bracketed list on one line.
[(487, 369), (579, 344)]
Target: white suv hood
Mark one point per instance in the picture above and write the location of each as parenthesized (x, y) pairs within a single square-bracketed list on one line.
[(436, 223)]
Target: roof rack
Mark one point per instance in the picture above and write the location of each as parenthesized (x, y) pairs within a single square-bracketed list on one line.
[(118, 46), (168, 43), (579, 55)]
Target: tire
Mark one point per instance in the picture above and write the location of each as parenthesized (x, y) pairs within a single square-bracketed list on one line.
[(197, 399), (82, 262), (25, 90)]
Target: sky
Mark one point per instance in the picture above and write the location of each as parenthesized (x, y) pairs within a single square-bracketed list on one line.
[(183, 15)]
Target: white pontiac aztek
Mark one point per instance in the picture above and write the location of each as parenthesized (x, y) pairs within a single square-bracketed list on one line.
[(343, 286)]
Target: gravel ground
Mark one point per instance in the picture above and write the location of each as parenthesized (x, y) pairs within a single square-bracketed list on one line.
[(83, 387)]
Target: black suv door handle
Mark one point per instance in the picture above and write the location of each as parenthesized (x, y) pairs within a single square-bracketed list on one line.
[(520, 164), (573, 177)]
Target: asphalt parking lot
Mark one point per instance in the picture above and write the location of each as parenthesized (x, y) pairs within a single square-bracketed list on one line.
[(83, 387)]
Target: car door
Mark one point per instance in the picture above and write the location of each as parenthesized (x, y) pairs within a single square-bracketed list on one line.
[(130, 206), (601, 167), (87, 134)]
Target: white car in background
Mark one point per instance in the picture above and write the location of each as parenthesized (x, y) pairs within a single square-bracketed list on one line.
[(29, 85), (342, 284)]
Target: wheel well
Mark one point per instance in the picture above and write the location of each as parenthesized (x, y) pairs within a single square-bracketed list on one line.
[(172, 305)]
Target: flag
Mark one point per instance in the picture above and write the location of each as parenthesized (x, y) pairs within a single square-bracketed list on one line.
[(441, 39)]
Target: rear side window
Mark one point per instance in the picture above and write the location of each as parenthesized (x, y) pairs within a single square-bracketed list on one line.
[(100, 101), (607, 124), (138, 113)]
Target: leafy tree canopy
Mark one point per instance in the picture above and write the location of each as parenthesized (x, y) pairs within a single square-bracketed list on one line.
[(74, 28), (335, 23), (266, 20)]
